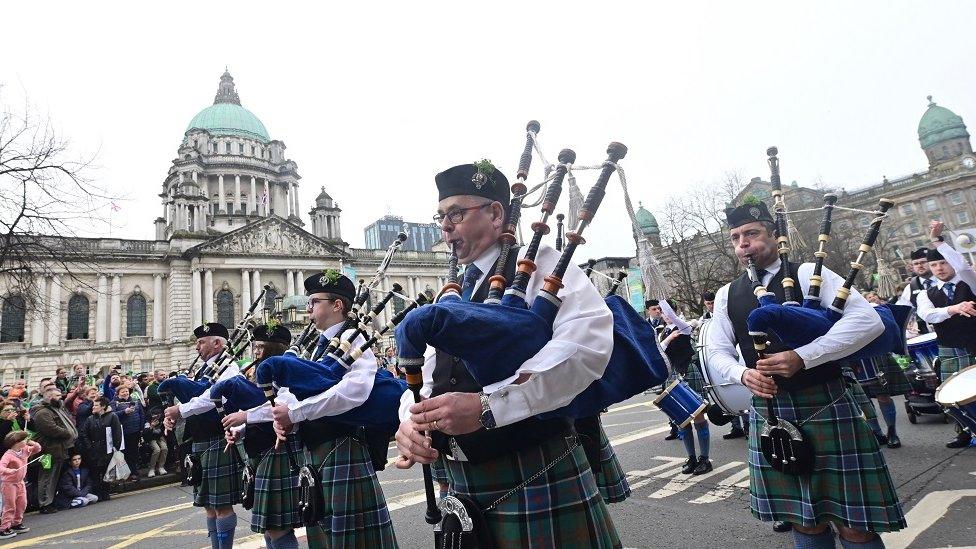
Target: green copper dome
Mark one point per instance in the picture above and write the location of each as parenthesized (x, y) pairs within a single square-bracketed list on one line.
[(939, 124), (646, 221), (227, 117)]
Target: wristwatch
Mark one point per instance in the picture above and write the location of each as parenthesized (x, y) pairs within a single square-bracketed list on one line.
[(487, 417)]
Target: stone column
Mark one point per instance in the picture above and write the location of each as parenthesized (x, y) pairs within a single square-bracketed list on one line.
[(115, 307), (40, 313), (256, 281), (237, 195), (266, 196), (245, 290), (101, 311), (208, 296), (195, 291), (289, 283), (222, 204), (384, 316), (294, 198), (300, 282), (252, 199), (412, 286), (54, 324), (157, 332)]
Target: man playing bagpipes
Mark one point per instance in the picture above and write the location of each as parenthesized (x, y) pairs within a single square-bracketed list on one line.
[(220, 475), (848, 483), (496, 451), (355, 513), (950, 307)]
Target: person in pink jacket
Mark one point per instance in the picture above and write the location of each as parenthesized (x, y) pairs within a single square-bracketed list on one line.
[(13, 469)]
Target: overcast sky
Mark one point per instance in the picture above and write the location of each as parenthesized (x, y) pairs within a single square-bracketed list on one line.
[(373, 98)]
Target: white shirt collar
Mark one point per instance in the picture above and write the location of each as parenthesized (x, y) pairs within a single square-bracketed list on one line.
[(333, 330), (487, 259), (955, 280)]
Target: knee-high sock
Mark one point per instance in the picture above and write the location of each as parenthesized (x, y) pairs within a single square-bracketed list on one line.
[(823, 540), (287, 541), (889, 412), (225, 531), (875, 543), (703, 438), (212, 531), (689, 439)]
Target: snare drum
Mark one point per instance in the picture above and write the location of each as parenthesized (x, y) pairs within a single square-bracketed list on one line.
[(958, 396), (733, 398), (870, 371), (924, 349), (680, 403)]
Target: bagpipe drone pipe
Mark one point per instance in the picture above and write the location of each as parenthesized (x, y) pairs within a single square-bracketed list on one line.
[(494, 340), (795, 325)]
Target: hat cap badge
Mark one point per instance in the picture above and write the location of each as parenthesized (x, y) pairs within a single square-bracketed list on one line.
[(754, 212)]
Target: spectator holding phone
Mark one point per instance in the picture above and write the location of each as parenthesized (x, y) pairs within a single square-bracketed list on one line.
[(132, 417)]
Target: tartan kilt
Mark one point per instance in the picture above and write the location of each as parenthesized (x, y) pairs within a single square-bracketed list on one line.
[(953, 359), (610, 477), (438, 471), (850, 483), (276, 490), (221, 483), (693, 378), (896, 383), (860, 395), (560, 509), (355, 512)]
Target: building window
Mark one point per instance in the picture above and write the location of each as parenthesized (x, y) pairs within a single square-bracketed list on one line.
[(907, 209), (398, 304), (225, 308), (931, 205), (911, 228), (919, 244), (956, 198), (12, 321), (135, 315), (78, 317), (227, 147), (240, 148), (962, 217)]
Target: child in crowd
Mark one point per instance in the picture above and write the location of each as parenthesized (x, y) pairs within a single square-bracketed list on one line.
[(75, 488), (13, 469)]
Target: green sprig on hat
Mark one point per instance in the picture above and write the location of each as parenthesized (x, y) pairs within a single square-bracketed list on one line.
[(485, 167), (272, 324), (331, 275), (750, 200)]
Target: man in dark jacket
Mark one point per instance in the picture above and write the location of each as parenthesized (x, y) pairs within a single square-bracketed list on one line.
[(96, 449), (133, 419), (75, 488), (56, 433)]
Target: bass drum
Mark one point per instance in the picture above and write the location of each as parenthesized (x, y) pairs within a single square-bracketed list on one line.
[(732, 398)]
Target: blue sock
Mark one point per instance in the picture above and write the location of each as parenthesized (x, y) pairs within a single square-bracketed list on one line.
[(689, 439), (890, 413), (212, 531), (287, 541), (225, 531), (703, 438), (876, 543), (823, 540)]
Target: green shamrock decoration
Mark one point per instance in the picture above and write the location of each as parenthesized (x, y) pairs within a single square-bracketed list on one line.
[(751, 200)]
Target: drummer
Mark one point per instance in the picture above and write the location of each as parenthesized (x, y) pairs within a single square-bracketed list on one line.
[(950, 307), (708, 301)]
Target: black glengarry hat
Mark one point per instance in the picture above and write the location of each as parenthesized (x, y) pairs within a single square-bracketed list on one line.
[(331, 281), (478, 179), (920, 253), (751, 211), (933, 255), (211, 329), (273, 332)]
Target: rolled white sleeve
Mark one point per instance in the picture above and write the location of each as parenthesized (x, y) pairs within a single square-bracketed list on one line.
[(351, 391), (406, 399), (673, 318), (928, 312), (202, 404), (720, 344), (262, 413), (858, 326), (959, 264), (906, 296)]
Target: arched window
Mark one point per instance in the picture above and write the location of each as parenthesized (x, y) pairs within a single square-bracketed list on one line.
[(225, 308), (12, 319), (398, 304), (78, 317), (269, 299), (135, 315)]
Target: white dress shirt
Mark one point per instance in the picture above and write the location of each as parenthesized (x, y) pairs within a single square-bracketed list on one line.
[(202, 404), (859, 325), (964, 273), (906, 294), (351, 391), (674, 320), (577, 354)]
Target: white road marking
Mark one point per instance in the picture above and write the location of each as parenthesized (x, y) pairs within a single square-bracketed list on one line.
[(680, 484), (923, 515), (724, 489), (633, 475)]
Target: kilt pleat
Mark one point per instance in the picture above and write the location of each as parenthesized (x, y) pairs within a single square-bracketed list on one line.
[(610, 477), (562, 508), (355, 513), (953, 359), (221, 482), (895, 381), (860, 396), (850, 484), (276, 490)]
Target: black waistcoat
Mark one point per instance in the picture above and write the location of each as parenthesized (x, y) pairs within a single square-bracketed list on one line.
[(915, 285), (742, 301), (957, 330), (450, 375)]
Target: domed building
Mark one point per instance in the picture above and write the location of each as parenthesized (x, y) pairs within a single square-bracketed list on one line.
[(648, 225), (942, 134), (231, 225)]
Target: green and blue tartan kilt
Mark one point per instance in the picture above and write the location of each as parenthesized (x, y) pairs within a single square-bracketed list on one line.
[(221, 482), (610, 477), (859, 394), (850, 483), (355, 514), (953, 359), (560, 509), (276, 489), (693, 378), (895, 381), (438, 471)]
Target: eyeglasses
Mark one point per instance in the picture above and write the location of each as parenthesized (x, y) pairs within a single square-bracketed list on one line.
[(456, 215), (314, 300)]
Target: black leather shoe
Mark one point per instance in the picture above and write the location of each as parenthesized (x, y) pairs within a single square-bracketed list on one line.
[(882, 440), (781, 526), (49, 510), (704, 466), (893, 440), (690, 466), (736, 432), (674, 433), (960, 441)]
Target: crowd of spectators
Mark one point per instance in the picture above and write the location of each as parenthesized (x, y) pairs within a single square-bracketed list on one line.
[(80, 422)]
